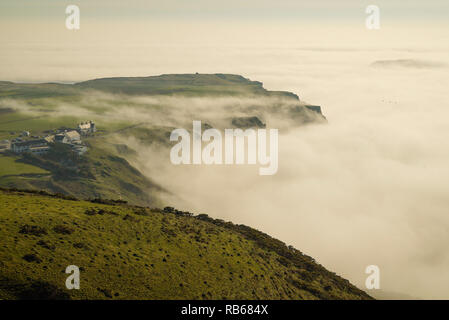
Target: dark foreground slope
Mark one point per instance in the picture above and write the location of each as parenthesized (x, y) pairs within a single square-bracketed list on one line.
[(127, 252)]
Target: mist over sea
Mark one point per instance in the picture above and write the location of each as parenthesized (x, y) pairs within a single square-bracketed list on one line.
[(369, 187)]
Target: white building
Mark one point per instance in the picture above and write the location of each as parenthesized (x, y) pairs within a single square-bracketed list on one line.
[(39, 149), (37, 146), (71, 137), (86, 128), (68, 137)]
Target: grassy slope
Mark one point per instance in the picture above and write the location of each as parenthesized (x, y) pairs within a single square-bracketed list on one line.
[(10, 166), (98, 174), (130, 252), (123, 253), (113, 178), (183, 84), (110, 176), (168, 84)]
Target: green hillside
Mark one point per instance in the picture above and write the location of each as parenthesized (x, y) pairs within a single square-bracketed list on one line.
[(167, 84), (129, 252), (183, 84), (105, 170), (12, 166), (98, 174)]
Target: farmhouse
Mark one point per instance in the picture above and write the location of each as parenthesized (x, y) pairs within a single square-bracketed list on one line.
[(41, 145), (66, 137), (72, 137), (37, 146), (86, 128)]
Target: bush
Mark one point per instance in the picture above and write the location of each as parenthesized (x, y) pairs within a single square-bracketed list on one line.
[(31, 258), (108, 201), (63, 229), (33, 230), (46, 245)]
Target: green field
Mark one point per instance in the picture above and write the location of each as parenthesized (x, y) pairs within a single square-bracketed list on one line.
[(11, 166), (36, 124)]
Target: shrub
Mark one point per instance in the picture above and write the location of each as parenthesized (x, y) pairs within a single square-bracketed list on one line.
[(33, 230), (63, 229), (46, 245), (31, 258)]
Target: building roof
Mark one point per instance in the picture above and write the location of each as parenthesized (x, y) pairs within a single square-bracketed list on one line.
[(50, 138), (72, 135), (85, 125)]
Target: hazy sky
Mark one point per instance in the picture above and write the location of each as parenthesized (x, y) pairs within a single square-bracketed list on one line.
[(140, 37), (109, 10), (370, 187)]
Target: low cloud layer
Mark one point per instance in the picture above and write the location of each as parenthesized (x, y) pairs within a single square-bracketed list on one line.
[(369, 187), (407, 63)]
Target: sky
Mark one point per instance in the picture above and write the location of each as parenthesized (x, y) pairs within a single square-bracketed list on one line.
[(324, 10), (143, 37), (369, 187)]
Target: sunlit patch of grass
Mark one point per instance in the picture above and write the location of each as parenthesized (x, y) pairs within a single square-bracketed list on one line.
[(10, 166)]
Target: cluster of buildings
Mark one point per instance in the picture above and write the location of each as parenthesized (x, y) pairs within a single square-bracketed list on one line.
[(41, 145)]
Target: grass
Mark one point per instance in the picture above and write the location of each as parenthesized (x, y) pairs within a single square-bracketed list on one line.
[(169, 84), (128, 252), (37, 124), (97, 174), (103, 171), (105, 174), (10, 166)]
